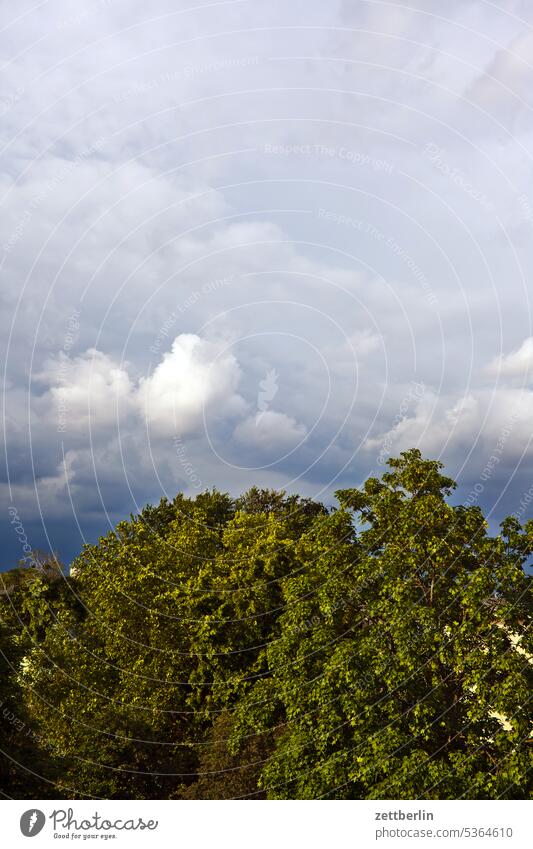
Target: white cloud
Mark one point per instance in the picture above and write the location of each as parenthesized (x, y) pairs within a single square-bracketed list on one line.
[(365, 342), (489, 419), (137, 173), (518, 363), (91, 387), (194, 379), (270, 430), (429, 422), (505, 86)]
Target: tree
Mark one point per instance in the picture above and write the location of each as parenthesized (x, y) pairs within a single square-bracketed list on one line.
[(29, 601), (404, 664), (266, 647), (175, 612), (226, 774)]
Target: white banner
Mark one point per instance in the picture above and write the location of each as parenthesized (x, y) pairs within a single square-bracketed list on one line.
[(267, 825)]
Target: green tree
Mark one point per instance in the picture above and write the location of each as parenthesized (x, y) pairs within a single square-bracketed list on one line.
[(224, 773), (177, 606), (268, 647), (29, 602), (404, 664)]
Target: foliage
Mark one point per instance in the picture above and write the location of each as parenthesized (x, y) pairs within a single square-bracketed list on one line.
[(266, 647)]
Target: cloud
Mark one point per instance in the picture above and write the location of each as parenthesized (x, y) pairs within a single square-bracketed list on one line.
[(475, 423), (140, 167), (270, 430), (193, 379), (365, 342), (90, 389), (505, 86), (518, 363)]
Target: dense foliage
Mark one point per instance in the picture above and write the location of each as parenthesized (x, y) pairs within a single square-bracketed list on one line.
[(267, 647)]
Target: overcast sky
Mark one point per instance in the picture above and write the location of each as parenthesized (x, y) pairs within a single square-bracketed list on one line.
[(271, 243)]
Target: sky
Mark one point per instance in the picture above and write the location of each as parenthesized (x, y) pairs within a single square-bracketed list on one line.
[(261, 243)]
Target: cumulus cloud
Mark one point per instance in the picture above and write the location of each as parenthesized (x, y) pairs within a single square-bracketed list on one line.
[(518, 363), (193, 379), (270, 430), (89, 388), (365, 342), (441, 425), (178, 173)]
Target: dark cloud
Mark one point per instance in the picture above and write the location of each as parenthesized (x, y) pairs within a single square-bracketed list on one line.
[(261, 243)]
